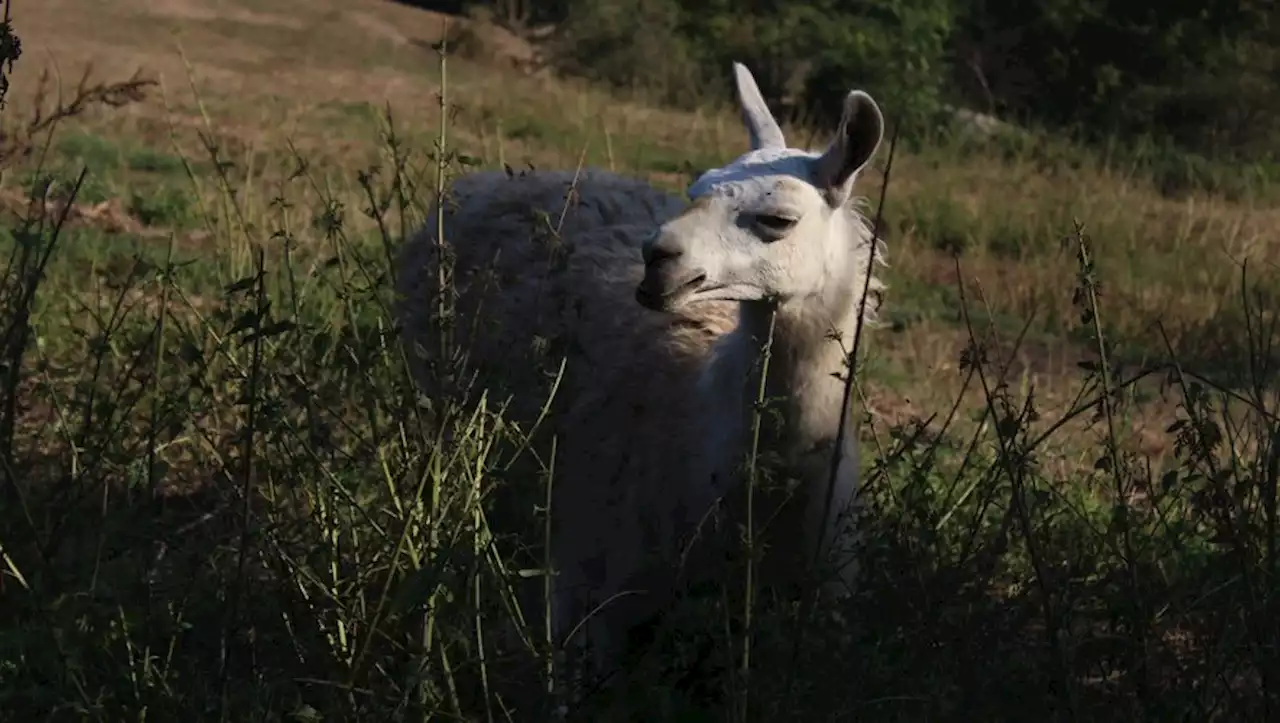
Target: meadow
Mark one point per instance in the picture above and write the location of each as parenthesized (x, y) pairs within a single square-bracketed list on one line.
[(223, 498)]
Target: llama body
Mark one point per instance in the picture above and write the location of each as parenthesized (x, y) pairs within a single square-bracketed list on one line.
[(632, 378), (664, 307)]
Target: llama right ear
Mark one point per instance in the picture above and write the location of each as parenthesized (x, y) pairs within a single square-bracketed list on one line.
[(861, 130), (763, 129)]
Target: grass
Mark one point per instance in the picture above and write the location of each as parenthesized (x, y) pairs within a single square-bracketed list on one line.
[(223, 498)]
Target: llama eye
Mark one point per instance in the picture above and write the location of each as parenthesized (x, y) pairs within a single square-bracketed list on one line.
[(773, 223)]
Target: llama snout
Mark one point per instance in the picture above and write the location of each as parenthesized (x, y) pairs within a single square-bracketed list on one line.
[(668, 279)]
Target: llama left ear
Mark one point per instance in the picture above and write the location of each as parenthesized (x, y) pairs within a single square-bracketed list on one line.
[(761, 125), (861, 130)]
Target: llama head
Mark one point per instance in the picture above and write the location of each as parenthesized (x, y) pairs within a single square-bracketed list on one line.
[(774, 224)]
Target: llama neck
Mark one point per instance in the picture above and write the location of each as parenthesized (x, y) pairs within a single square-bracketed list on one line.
[(803, 365), (804, 359), (806, 370), (811, 338)]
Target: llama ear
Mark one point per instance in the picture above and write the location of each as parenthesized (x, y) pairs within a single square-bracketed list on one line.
[(761, 126), (861, 130)]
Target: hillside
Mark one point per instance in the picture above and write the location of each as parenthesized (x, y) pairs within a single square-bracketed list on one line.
[(261, 101), (270, 76)]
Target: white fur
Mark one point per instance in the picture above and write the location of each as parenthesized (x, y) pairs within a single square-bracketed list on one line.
[(655, 412)]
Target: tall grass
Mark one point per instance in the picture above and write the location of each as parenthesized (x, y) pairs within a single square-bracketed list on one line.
[(226, 498)]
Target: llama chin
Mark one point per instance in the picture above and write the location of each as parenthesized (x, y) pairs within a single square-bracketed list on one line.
[(666, 306)]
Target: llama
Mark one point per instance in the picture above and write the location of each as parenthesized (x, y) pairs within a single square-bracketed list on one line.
[(665, 307)]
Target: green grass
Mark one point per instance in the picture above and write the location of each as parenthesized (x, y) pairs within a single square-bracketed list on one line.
[(223, 497)]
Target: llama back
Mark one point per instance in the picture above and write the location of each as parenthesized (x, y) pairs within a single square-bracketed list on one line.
[(512, 239)]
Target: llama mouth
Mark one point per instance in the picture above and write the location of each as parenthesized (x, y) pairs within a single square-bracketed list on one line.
[(666, 300)]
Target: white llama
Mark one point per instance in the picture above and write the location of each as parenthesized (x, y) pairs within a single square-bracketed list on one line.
[(654, 414)]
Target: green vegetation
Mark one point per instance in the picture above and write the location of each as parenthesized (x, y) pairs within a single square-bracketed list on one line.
[(1174, 77), (222, 499)]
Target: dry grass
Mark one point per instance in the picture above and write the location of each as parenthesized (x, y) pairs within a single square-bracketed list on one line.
[(285, 100), (269, 88), (267, 78)]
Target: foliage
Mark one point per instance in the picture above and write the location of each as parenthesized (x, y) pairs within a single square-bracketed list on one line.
[(894, 48), (1201, 76), (1167, 68), (637, 44), (10, 51)]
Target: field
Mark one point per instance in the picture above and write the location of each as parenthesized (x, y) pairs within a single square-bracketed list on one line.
[(223, 500)]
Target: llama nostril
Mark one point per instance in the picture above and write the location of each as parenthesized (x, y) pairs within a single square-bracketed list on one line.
[(653, 253)]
